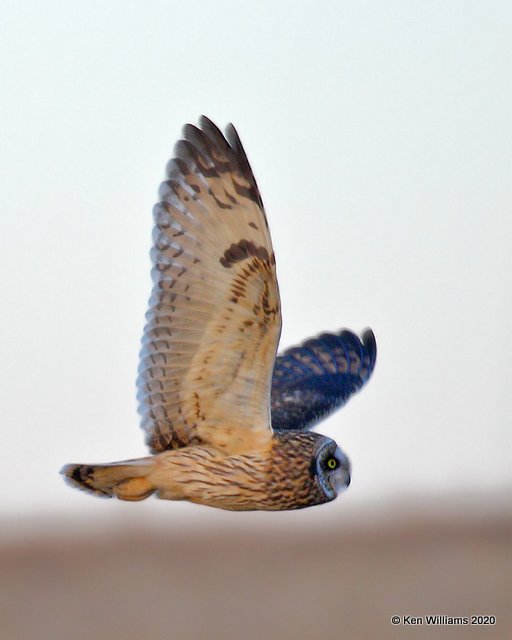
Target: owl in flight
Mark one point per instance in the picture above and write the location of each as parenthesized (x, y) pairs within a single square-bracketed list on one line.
[(226, 420)]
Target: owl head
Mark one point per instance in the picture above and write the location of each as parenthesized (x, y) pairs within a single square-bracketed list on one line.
[(307, 468), (331, 468)]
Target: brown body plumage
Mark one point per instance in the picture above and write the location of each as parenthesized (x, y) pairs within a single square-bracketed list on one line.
[(284, 477)]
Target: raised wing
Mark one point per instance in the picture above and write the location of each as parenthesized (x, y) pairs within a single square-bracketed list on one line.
[(214, 316), (319, 376)]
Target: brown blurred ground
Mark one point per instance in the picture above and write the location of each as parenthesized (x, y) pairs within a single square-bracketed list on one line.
[(259, 584)]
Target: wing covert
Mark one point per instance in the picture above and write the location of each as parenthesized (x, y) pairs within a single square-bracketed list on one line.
[(318, 377)]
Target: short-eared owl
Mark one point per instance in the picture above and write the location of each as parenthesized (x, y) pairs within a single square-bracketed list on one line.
[(226, 421)]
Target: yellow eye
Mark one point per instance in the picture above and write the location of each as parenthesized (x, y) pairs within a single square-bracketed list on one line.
[(332, 463)]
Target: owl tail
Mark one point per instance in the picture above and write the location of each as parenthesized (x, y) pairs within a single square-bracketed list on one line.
[(128, 480)]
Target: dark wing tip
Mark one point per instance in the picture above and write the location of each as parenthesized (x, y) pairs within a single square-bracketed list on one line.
[(370, 344), (236, 145), (210, 128), (234, 139), (206, 148)]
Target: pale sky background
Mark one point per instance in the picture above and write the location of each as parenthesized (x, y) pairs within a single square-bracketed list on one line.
[(380, 136)]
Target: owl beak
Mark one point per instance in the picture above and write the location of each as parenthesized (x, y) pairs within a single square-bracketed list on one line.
[(343, 474), (342, 480)]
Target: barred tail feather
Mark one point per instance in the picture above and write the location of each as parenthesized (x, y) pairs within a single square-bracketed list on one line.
[(128, 480)]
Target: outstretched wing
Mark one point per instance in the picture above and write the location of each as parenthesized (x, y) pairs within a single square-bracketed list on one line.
[(319, 376), (214, 316)]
